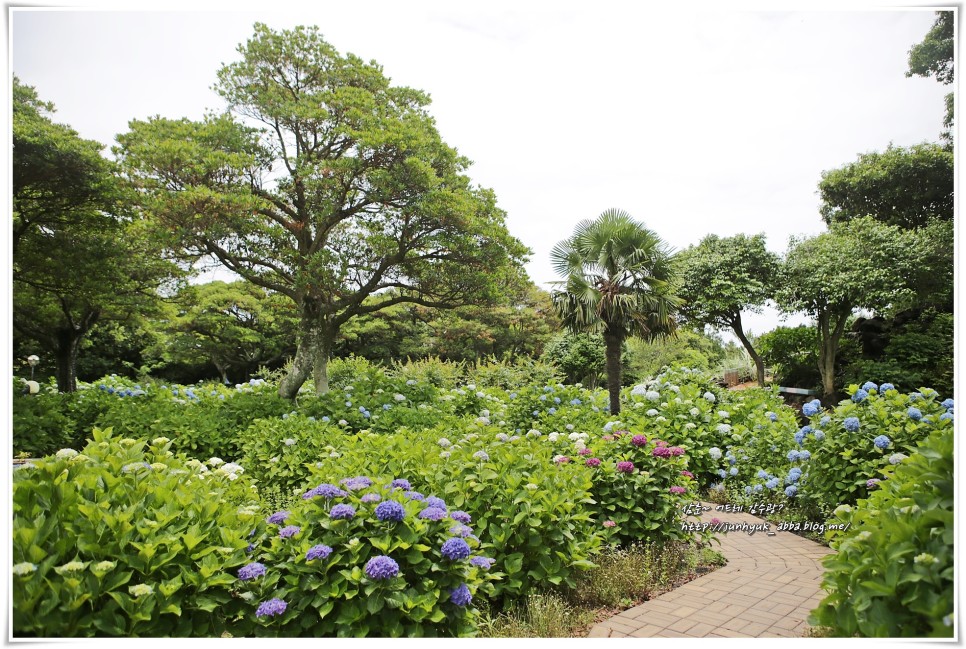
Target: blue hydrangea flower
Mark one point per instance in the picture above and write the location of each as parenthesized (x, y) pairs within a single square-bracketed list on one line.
[(278, 517), (945, 416), (759, 488), (271, 608), (851, 424), (414, 495), (318, 552), (432, 514), (799, 436), (251, 571), (721, 472), (882, 441), (804, 456), (810, 409), (381, 567), (400, 483), (790, 491), (869, 386), (482, 562), (885, 387), (947, 404), (771, 484), (762, 474), (481, 455), (460, 595), (914, 413), (733, 471), (792, 456), (371, 498), (771, 416), (748, 489), (461, 517), (455, 549), (390, 511), (819, 435), (342, 511), (860, 396)]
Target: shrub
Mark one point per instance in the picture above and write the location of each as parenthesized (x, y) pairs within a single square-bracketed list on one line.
[(126, 539), (364, 558), (892, 574), (41, 423)]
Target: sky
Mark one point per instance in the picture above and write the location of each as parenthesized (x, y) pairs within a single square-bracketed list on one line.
[(711, 118)]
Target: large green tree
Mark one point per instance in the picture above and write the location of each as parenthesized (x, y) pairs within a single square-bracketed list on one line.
[(618, 275), (721, 277), (934, 57), (234, 326), (326, 184), (78, 260), (860, 264), (908, 187)]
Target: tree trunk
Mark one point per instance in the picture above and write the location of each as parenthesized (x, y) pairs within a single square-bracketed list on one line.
[(828, 340), (316, 341), (612, 354), (68, 344), (759, 363)]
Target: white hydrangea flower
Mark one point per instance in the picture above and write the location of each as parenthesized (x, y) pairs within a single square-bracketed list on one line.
[(569, 426), (104, 566), (724, 429), (715, 453), (639, 390), (690, 426), (215, 461), (485, 413), (694, 412), (660, 419), (445, 443), (573, 436), (66, 453), (724, 414), (160, 441), (580, 444), (652, 395), (483, 421), (553, 437), (24, 568), (652, 413), (140, 590), (70, 566), (290, 442), (399, 397), (530, 486), (444, 454), (231, 467), (710, 397)]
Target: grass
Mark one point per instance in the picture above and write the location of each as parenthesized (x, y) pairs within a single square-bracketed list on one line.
[(623, 578)]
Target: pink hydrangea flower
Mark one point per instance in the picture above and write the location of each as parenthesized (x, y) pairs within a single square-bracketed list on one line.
[(592, 461), (687, 474), (625, 467), (609, 523), (677, 490), (585, 451)]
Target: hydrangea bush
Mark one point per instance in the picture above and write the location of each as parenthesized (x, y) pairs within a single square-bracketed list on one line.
[(362, 557), (892, 573), (126, 538)]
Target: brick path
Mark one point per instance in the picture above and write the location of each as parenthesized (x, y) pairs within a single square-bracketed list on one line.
[(767, 590)]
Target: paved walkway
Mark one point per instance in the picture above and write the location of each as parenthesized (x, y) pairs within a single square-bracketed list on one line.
[(769, 586)]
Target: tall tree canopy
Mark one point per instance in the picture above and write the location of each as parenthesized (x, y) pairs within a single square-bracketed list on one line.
[(617, 283), (861, 264), (934, 57), (721, 277), (77, 260), (326, 184), (907, 187)]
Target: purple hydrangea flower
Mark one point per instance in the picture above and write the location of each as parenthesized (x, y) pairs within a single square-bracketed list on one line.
[(432, 514), (400, 483), (661, 451), (318, 552), (592, 461), (625, 467), (460, 595), (433, 501), (461, 517), (461, 530), (327, 491), (342, 511), (482, 562), (382, 567), (390, 511), (289, 531), (278, 517), (371, 498), (851, 424), (271, 608), (251, 571), (639, 440), (414, 495), (455, 549), (871, 483), (675, 450), (356, 483)]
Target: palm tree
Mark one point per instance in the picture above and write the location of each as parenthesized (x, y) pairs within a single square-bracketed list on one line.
[(617, 283)]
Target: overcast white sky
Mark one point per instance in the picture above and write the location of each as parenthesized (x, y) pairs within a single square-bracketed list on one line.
[(711, 118)]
